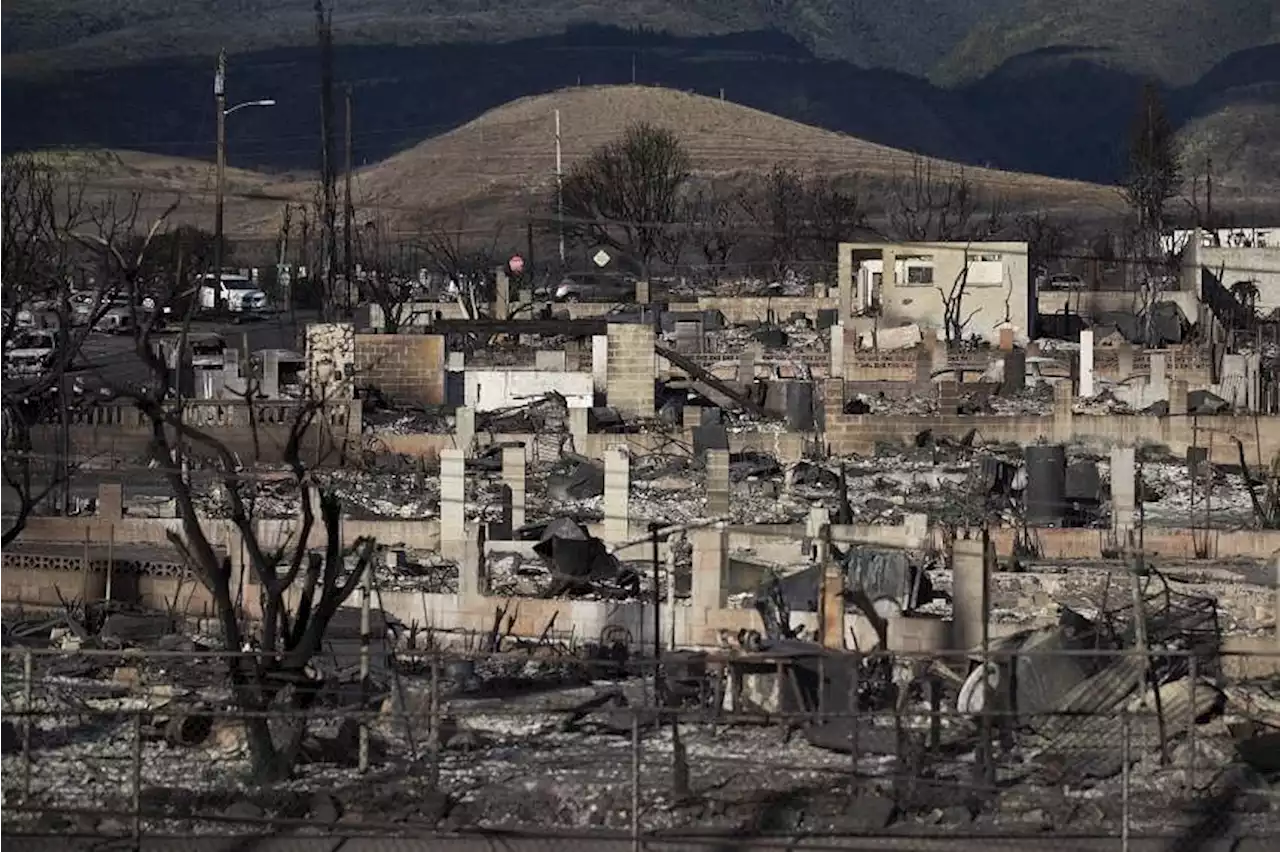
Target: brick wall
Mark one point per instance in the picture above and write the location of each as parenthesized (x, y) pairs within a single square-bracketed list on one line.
[(1191, 364), (852, 433), (408, 368), (878, 365), (632, 369)]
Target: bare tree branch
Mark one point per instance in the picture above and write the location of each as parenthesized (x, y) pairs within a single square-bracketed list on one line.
[(292, 627), (925, 206), (626, 193)]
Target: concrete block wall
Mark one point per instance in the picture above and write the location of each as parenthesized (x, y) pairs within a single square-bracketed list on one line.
[(408, 368), (632, 369), (697, 623), (883, 365), (330, 355), (717, 483), (617, 496)]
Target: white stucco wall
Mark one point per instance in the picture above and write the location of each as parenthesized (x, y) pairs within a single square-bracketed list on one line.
[(489, 390)]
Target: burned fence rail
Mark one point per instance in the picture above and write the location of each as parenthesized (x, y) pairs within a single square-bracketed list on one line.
[(797, 741)]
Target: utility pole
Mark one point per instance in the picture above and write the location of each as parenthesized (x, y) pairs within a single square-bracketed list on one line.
[(220, 107), (348, 212), (559, 189), (1208, 201), (284, 274), (329, 249)]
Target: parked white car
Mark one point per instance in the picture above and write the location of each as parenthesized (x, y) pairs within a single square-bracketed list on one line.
[(32, 353)]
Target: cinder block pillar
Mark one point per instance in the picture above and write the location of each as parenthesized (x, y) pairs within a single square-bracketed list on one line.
[(1086, 364), (844, 280), (1158, 375), (617, 495), (471, 582), (836, 368), (270, 385), (1063, 412), (600, 363), (717, 483), (832, 401), (1124, 488), (453, 503), (110, 501), (970, 577), (1178, 391), (501, 294), (831, 607), (939, 357), (632, 369), (747, 368), (710, 557), (513, 474), (464, 428), (579, 428)]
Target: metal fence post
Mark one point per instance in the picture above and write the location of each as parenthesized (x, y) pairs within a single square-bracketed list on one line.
[(26, 724), (635, 780), (137, 775), (364, 669), (854, 688), (1191, 723), (433, 723), (1124, 781)]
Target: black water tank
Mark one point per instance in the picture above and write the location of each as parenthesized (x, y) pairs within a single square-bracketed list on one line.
[(1046, 494), (800, 407)]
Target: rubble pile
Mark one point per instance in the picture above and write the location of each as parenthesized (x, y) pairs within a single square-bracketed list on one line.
[(383, 493), (541, 733), (514, 575), (418, 571), (782, 340), (401, 422)]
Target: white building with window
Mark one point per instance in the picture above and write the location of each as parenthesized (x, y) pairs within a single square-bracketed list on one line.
[(988, 281)]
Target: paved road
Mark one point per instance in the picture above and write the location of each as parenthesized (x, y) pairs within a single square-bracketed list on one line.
[(112, 360), (1041, 843)]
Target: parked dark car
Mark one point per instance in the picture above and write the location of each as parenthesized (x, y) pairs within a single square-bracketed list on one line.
[(595, 288)]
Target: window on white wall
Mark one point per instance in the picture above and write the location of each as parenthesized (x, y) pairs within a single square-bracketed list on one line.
[(914, 271), (986, 270), (919, 274)]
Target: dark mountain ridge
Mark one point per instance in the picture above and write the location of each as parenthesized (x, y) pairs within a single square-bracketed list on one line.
[(1057, 111)]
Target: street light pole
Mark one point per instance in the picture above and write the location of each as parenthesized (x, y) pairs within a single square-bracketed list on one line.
[(220, 104)]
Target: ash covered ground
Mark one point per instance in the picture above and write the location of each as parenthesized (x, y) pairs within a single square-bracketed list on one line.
[(672, 489), (515, 748)]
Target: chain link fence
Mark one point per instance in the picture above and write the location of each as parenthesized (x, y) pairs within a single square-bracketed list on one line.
[(711, 749)]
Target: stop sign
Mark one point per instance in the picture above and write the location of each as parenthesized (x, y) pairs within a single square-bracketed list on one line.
[(516, 264)]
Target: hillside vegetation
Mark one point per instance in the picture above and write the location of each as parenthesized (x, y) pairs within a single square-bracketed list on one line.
[(512, 148), (1175, 41), (861, 30), (1037, 86)]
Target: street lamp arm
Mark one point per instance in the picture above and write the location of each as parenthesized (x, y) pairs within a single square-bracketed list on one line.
[(264, 103)]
